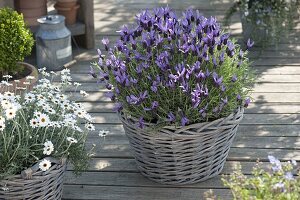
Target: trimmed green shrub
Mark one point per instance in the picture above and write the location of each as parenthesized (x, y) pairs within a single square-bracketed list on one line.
[(16, 41)]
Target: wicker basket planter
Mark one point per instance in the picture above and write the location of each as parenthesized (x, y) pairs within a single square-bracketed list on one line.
[(35, 184), (184, 155)]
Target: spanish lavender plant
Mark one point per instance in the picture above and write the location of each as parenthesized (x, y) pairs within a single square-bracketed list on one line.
[(169, 70), (278, 183)]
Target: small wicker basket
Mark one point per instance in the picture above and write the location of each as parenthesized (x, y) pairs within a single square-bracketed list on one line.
[(35, 184), (182, 155)]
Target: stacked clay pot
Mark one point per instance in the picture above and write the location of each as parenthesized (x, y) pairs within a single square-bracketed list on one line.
[(67, 8)]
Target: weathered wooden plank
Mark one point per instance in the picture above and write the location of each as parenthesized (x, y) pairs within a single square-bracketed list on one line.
[(245, 130), (87, 192), (292, 143), (132, 179), (129, 165), (276, 97), (236, 153)]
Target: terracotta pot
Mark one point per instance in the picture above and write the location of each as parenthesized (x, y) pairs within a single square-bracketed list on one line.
[(13, 88), (69, 13), (31, 9), (66, 3)]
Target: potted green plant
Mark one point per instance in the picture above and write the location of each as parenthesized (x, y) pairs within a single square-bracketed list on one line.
[(264, 21), (16, 42), (180, 85), (39, 133)]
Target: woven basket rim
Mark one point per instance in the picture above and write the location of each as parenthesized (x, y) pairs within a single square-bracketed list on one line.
[(34, 170), (132, 120)]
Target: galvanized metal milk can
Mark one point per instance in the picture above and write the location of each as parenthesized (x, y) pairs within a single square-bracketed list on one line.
[(53, 43)]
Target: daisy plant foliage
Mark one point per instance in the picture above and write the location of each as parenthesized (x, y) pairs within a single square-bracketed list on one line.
[(170, 70), (42, 123)]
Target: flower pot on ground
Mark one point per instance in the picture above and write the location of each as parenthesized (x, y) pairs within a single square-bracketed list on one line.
[(66, 3), (180, 85), (31, 10), (24, 82), (16, 42), (68, 9), (39, 131), (266, 22)]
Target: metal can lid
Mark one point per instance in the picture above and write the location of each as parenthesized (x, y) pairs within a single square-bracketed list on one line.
[(51, 19)]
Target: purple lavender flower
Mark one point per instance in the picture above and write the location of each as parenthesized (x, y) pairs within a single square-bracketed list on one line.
[(171, 117), (234, 78), (238, 97), (217, 80), (279, 186), (92, 72), (132, 99), (105, 42), (141, 123), (184, 121), (110, 95), (118, 107), (249, 44), (289, 176), (247, 102)]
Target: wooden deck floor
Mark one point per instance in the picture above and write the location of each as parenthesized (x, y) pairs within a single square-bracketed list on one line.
[(271, 124)]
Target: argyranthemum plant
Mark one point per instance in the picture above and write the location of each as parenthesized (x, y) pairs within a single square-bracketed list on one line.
[(269, 19), (170, 70), (42, 123), (281, 182)]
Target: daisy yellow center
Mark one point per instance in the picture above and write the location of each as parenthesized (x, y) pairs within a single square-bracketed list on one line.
[(43, 120)]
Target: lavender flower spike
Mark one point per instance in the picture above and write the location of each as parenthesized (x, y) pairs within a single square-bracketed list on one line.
[(250, 44), (105, 41)]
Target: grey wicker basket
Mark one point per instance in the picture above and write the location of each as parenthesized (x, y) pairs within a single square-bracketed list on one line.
[(182, 155), (33, 184)]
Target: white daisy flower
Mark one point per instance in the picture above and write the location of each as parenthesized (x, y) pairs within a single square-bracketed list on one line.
[(77, 84), (48, 148), (29, 97), (40, 97), (9, 94), (37, 113), (80, 113), (65, 71), (89, 126), (72, 140), (43, 120), (34, 123), (2, 125), (6, 104), (49, 110), (7, 76), (66, 78), (10, 113), (103, 133), (44, 165), (6, 83), (56, 101), (83, 93), (77, 128), (30, 77)]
